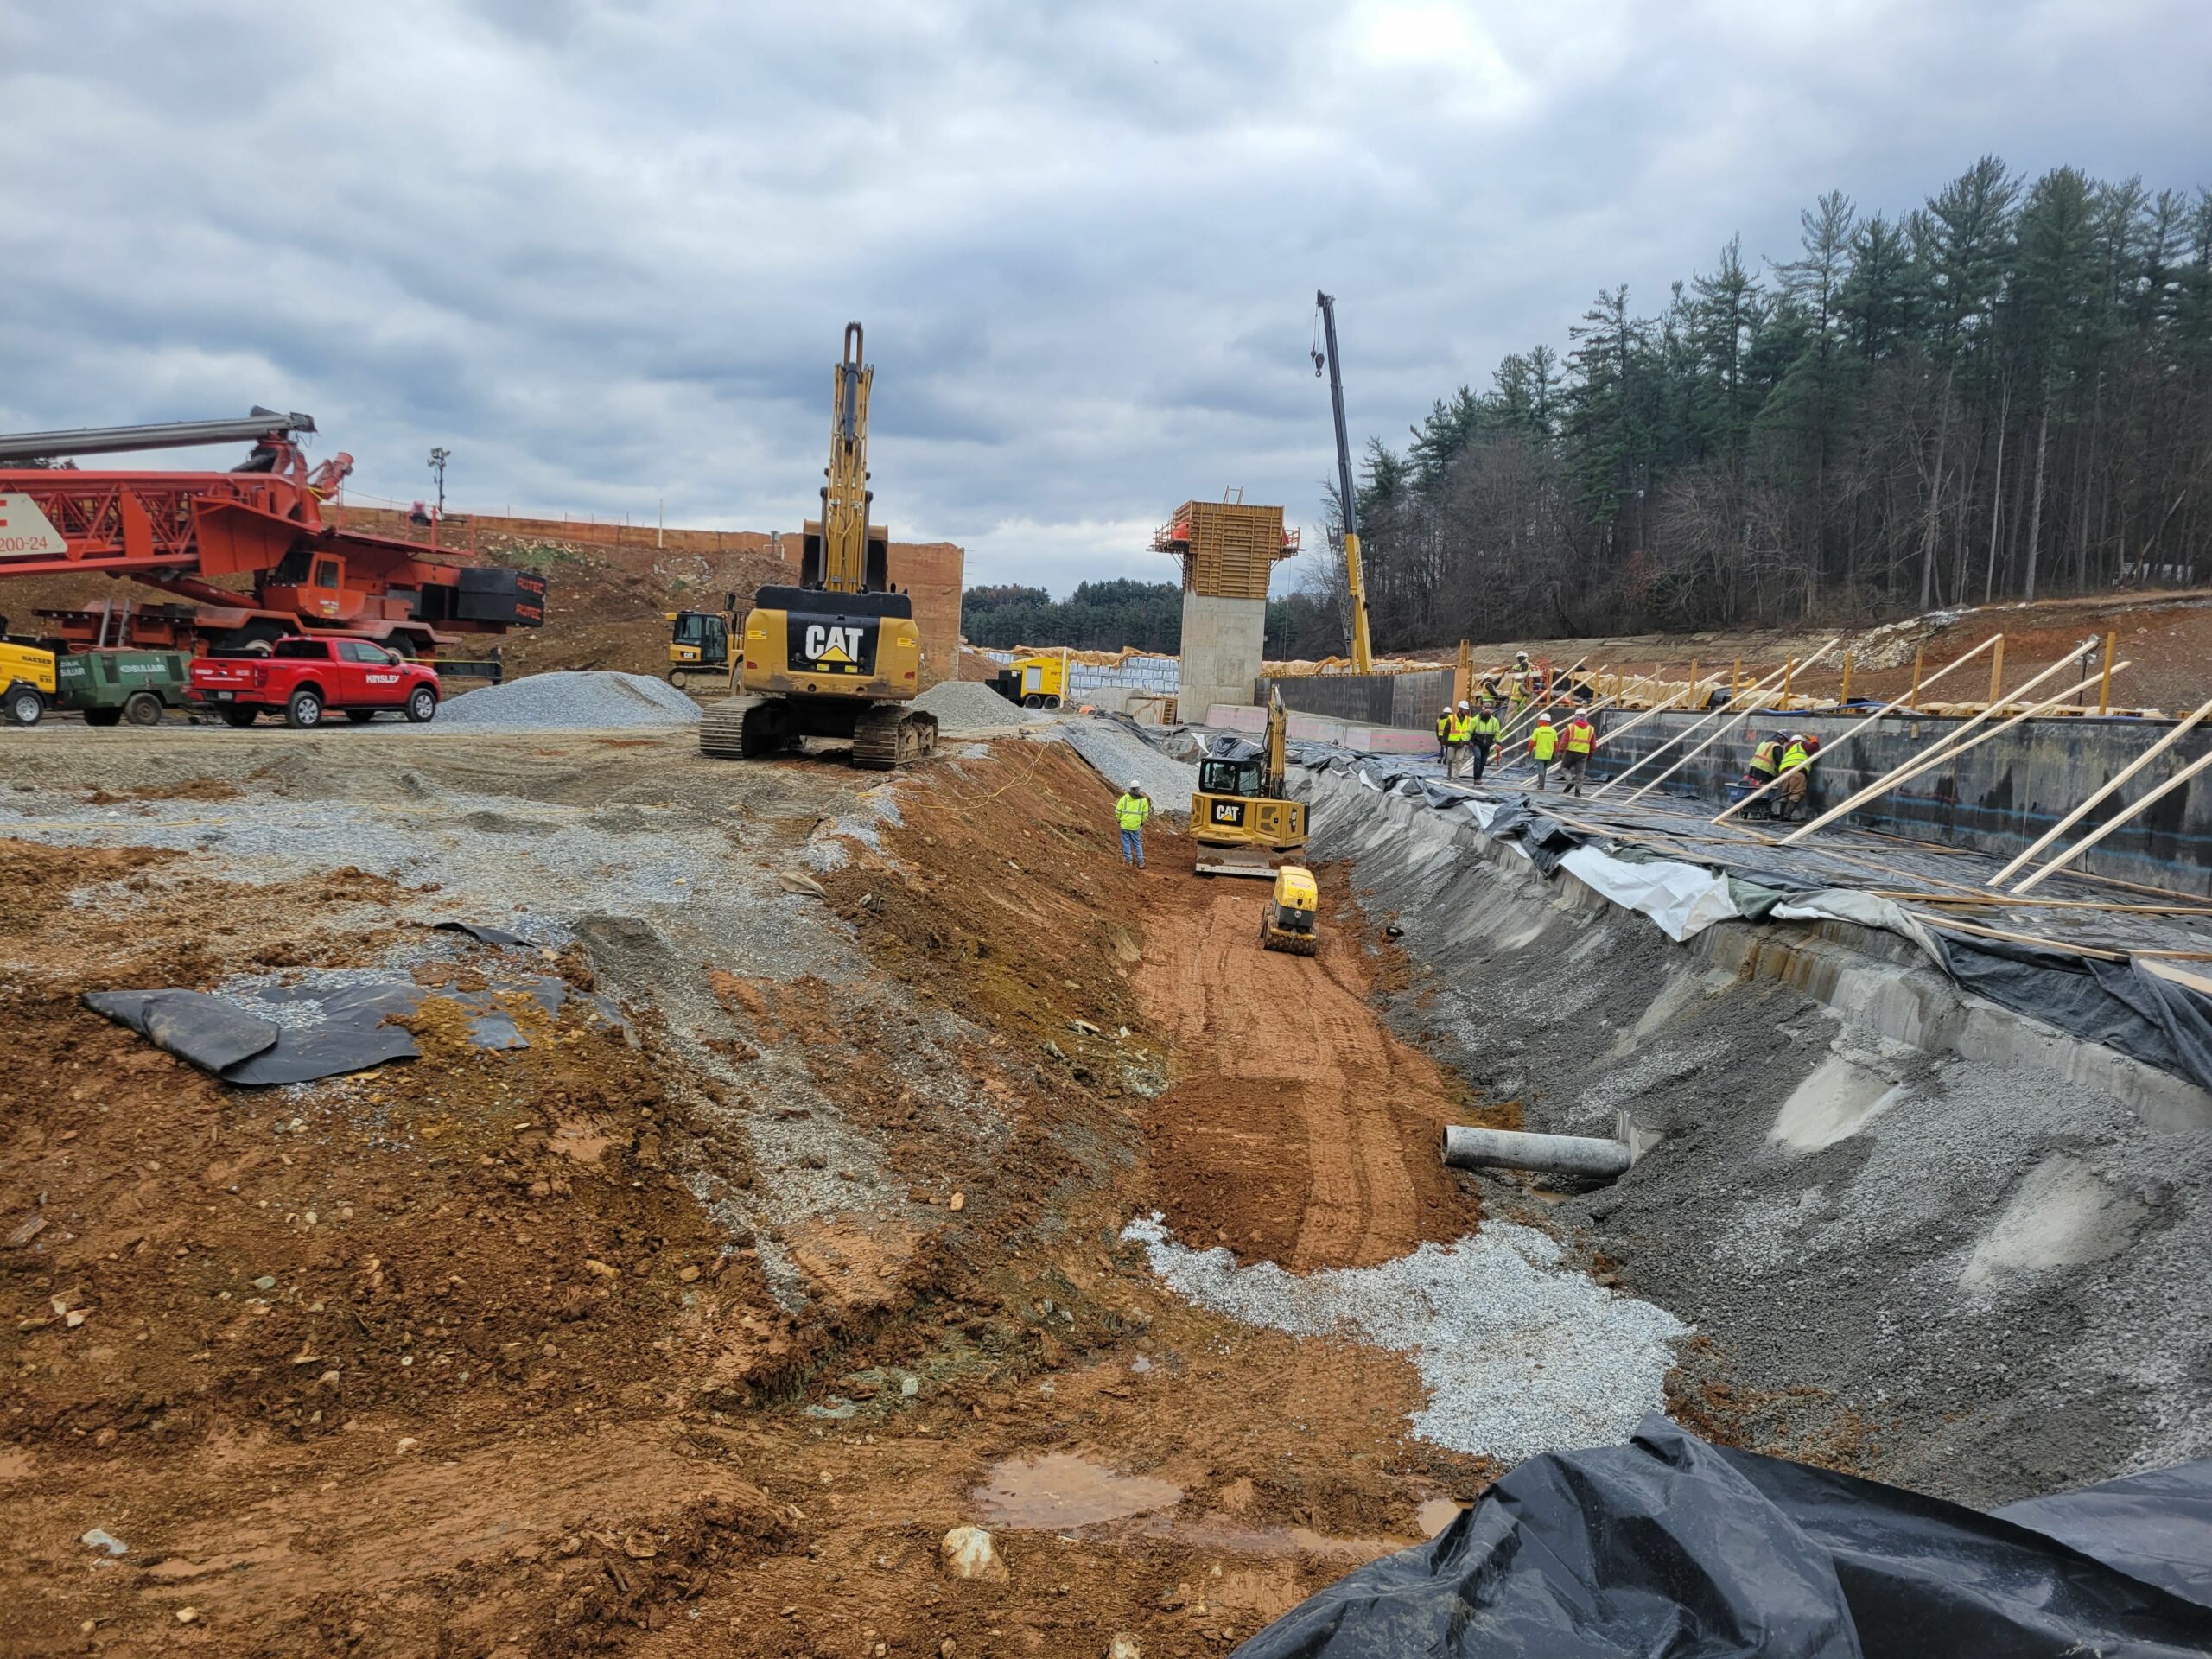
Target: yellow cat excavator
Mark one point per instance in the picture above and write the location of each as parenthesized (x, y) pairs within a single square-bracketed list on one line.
[(1239, 817), (837, 655)]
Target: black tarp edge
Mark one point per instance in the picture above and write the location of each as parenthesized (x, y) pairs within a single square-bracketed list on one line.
[(1669, 1546)]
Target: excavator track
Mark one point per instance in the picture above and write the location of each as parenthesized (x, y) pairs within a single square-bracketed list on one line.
[(888, 736), (744, 728)]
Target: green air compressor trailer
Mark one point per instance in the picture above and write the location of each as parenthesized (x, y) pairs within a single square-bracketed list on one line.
[(109, 686)]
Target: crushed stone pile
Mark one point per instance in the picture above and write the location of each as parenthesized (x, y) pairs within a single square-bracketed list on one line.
[(970, 706), (1121, 757), (573, 699), (1519, 1353)]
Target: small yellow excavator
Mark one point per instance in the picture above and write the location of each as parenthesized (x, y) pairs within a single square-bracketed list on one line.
[(1239, 817), (837, 655), (1287, 924), (698, 642)]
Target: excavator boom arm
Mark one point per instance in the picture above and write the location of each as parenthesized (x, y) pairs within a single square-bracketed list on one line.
[(1278, 727), (845, 498)]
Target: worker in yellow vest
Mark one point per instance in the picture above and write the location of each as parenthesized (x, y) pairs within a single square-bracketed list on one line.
[(1487, 729), (1543, 744), (1460, 736), (1132, 812), (1444, 735), (1580, 740), (1796, 779)]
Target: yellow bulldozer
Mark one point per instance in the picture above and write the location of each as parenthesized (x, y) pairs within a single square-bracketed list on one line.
[(1287, 923), (1239, 818), (835, 655)]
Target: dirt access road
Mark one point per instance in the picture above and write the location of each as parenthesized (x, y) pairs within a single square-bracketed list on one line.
[(1299, 1130), (681, 1343)]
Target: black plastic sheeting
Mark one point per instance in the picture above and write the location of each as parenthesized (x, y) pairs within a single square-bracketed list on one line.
[(324, 1033), (1547, 839), (2150, 1018), (1669, 1547), (2156, 1527)]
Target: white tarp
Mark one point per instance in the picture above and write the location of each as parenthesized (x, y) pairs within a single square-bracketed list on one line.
[(1849, 905), (1682, 899)]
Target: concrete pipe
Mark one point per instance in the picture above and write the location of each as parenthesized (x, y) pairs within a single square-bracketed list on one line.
[(1555, 1155)]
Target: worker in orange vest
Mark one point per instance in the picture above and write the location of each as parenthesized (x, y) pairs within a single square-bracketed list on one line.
[(1543, 745), (1579, 739)]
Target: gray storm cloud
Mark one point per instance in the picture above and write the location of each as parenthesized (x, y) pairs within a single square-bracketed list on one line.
[(603, 250)]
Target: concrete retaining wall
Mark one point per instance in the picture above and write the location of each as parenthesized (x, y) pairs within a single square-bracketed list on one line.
[(1995, 798), (1407, 701)]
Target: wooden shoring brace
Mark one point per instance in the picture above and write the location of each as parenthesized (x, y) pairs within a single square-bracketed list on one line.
[(1782, 673), (1659, 708), (1550, 699), (1728, 728), (1830, 748), (1950, 749), (2119, 819), (2107, 792)]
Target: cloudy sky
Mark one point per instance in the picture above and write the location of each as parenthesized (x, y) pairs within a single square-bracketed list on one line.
[(603, 250)]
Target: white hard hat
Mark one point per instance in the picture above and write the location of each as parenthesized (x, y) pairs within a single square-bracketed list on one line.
[(1135, 785)]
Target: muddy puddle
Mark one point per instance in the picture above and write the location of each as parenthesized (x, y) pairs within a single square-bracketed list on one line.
[(1058, 1492)]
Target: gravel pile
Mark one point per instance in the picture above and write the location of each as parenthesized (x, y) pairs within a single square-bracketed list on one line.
[(1840, 1212), (1120, 758), (1518, 1354), (971, 706), (545, 701)]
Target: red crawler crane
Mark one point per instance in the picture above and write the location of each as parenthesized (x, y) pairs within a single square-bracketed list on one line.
[(263, 519)]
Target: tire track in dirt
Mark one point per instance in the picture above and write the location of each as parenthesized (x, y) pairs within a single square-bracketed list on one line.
[(1299, 1128)]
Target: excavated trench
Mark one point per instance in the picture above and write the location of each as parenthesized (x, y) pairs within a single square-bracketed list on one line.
[(1915, 1234), (959, 1175)]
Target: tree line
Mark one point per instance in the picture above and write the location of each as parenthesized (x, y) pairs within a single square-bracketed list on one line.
[(1148, 615), (2003, 394), (1097, 616)]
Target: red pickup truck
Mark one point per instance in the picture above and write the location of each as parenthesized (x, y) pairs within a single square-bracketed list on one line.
[(306, 677)]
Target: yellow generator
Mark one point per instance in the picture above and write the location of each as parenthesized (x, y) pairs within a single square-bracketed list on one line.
[(1239, 817), (1287, 923), (1038, 681)]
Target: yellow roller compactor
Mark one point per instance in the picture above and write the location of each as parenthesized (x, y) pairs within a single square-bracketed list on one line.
[(1287, 923), (837, 655)]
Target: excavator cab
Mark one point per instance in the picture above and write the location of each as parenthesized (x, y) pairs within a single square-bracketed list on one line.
[(1239, 817), (698, 641), (1287, 923)]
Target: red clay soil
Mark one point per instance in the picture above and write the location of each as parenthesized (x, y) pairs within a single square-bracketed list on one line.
[(1299, 1129), (448, 1358)]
